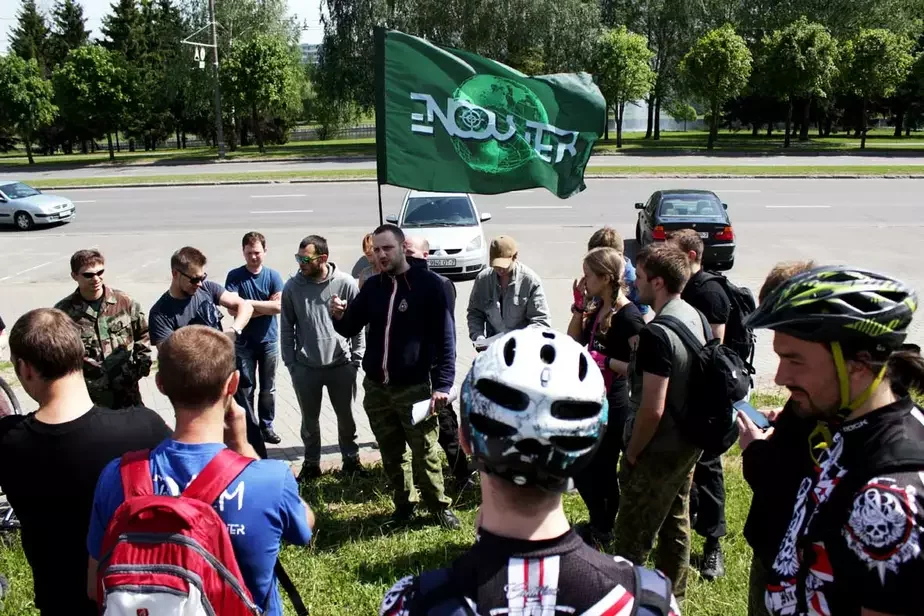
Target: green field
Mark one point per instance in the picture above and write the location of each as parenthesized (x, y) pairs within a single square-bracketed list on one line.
[(692, 142)]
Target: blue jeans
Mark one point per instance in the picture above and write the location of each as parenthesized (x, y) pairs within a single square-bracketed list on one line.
[(258, 362)]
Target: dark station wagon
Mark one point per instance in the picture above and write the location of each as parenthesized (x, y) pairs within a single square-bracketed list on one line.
[(700, 210)]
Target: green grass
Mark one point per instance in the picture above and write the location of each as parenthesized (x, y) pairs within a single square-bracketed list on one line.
[(690, 142), (356, 555)]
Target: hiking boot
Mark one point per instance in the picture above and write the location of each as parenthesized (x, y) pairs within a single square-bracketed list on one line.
[(448, 519), (309, 472), (713, 562), (403, 513), (270, 436), (352, 466)]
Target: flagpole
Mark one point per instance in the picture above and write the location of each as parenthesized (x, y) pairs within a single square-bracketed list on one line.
[(381, 159), (381, 218)]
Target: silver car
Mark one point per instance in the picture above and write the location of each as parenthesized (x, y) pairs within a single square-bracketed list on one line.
[(26, 207), (451, 223)]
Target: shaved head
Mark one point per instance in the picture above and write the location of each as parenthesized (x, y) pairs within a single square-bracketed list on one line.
[(417, 247)]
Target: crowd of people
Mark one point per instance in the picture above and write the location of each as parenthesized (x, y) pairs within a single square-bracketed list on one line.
[(602, 407)]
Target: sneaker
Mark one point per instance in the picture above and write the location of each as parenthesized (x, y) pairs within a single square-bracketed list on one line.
[(713, 563), (352, 466), (448, 519), (270, 436), (309, 472), (403, 513)]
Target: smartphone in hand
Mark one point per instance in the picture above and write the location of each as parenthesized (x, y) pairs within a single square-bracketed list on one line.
[(759, 419)]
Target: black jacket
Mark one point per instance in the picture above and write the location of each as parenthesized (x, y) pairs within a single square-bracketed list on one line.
[(411, 337)]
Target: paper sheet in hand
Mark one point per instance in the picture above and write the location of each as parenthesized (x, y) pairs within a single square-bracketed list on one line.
[(421, 410), (483, 344)]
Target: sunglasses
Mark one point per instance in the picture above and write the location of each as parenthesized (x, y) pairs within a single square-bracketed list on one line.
[(92, 275), (194, 279), (307, 260)]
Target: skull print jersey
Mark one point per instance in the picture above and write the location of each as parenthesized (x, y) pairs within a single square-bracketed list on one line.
[(512, 577), (855, 537)]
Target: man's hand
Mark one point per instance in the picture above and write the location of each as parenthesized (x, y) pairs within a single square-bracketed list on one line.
[(337, 307), (438, 400), (235, 426), (748, 432), (232, 335)]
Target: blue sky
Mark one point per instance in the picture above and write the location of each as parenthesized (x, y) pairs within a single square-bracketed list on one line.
[(94, 10)]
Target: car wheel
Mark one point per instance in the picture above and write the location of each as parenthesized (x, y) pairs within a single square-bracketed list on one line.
[(638, 231), (23, 221)]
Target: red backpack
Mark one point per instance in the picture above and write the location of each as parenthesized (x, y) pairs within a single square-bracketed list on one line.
[(172, 555)]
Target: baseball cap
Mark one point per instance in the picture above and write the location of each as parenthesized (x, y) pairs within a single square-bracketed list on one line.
[(503, 250)]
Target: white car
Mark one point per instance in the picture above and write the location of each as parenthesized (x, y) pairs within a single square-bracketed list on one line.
[(451, 223), (26, 207)]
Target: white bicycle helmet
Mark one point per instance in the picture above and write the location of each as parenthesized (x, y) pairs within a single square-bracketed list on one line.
[(534, 408)]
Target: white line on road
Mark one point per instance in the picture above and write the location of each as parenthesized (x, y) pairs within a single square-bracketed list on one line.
[(274, 196), (283, 212), (34, 267), (538, 207), (797, 207)]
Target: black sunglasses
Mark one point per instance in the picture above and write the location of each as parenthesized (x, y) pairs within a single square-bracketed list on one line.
[(92, 275), (194, 279)]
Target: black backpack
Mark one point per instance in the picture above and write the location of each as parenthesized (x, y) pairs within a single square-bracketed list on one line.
[(737, 337), (718, 378)]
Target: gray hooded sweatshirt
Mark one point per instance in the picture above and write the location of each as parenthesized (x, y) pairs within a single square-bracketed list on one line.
[(307, 335)]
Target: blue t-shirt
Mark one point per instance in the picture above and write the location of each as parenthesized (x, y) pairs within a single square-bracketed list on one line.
[(629, 277), (260, 507), (170, 314), (258, 287)]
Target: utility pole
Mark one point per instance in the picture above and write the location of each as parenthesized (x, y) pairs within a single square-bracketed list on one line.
[(220, 133)]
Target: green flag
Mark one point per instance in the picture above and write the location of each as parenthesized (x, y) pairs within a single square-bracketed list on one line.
[(452, 121)]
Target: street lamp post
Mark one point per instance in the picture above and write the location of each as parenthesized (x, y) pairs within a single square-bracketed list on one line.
[(220, 133)]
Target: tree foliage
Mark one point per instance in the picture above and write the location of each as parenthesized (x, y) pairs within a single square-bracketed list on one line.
[(29, 39), (623, 70), (717, 69), (26, 104)]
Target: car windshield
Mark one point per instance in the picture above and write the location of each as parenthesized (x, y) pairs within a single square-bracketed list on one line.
[(18, 190), (439, 212), (685, 206)]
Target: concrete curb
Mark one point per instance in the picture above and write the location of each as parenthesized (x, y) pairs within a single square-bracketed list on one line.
[(590, 176)]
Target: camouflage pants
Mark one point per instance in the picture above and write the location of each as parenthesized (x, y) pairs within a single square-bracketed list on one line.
[(389, 411), (124, 396), (655, 504)]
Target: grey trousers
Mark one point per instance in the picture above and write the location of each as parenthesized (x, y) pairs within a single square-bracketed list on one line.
[(340, 382)]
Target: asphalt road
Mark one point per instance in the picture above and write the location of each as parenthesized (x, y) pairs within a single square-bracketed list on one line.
[(875, 223), (124, 168)]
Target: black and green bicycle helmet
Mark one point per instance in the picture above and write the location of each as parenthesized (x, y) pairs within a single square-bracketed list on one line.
[(841, 305)]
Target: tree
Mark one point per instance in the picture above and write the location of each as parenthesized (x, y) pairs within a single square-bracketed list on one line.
[(123, 29), (263, 77), (68, 30), (26, 102), (842, 18), (717, 69), (91, 90), (681, 112), (623, 70), (802, 63), (876, 62), (29, 39)]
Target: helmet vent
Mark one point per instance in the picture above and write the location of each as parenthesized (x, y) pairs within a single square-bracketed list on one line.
[(491, 428), (573, 443), (547, 353), (502, 395), (510, 351), (573, 409), (582, 367), (549, 335)]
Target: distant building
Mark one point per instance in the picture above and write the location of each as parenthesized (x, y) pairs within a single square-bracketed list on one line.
[(310, 53)]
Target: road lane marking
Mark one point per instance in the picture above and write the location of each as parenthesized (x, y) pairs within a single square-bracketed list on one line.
[(275, 196), (538, 207), (35, 267), (797, 207), (283, 212)]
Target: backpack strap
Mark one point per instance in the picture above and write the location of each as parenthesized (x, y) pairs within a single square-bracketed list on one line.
[(135, 470), (652, 593), (217, 476), (683, 332)]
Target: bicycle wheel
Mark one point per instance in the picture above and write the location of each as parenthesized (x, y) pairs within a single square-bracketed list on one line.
[(9, 404)]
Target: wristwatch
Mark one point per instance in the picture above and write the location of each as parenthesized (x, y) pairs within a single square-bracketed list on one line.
[(237, 330)]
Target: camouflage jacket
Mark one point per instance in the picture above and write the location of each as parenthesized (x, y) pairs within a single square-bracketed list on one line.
[(115, 339)]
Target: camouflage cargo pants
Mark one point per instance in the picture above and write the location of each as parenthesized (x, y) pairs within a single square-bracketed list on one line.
[(389, 411), (655, 504)]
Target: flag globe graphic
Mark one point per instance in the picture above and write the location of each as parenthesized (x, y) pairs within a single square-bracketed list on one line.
[(503, 97)]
